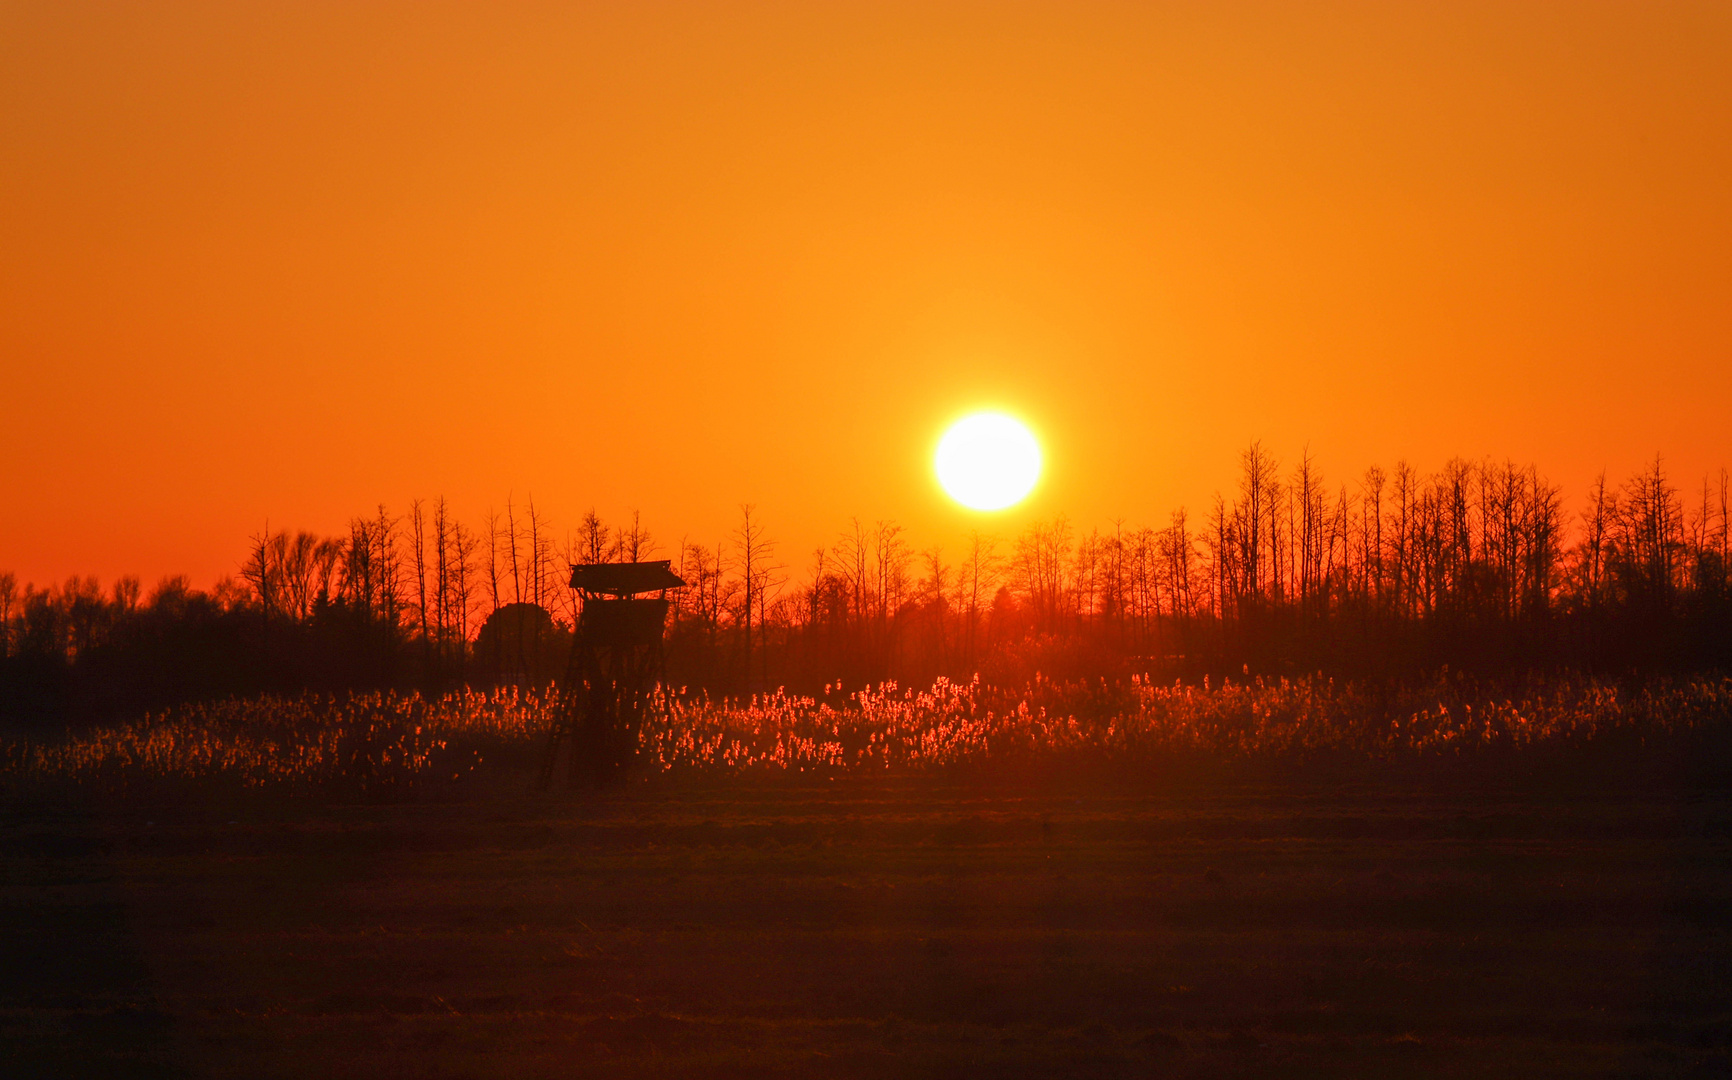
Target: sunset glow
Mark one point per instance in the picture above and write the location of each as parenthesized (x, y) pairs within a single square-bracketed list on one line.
[(988, 461), (668, 538), (290, 262)]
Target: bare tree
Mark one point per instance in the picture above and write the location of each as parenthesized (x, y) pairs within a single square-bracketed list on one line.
[(327, 558), (755, 551), (1371, 535), (360, 586), (418, 548), (853, 553), (464, 553), (388, 569), (1042, 560), (1258, 492), (443, 606), (540, 556), (634, 542), (262, 570), (595, 539), (493, 558), (511, 541), (980, 571), (1401, 533), (708, 592), (891, 558), (1178, 550), (297, 571)]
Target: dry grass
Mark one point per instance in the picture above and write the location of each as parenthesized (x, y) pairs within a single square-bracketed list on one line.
[(380, 743)]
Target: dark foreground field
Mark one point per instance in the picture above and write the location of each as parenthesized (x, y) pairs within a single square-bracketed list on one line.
[(1356, 922)]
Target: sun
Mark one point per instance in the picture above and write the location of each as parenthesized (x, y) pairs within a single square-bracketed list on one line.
[(988, 461)]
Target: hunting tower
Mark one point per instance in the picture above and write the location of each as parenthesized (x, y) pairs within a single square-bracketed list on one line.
[(616, 661)]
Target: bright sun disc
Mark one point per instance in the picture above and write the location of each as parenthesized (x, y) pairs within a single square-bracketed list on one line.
[(988, 461)]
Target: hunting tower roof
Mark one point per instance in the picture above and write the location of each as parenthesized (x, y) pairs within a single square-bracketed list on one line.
[(624, 579)]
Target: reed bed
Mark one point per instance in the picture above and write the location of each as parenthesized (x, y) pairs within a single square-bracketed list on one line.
[(968, 723), (390, 742), (372, 743)]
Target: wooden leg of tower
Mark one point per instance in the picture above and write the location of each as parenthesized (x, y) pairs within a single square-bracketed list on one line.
[(550, 755), (565, 719)]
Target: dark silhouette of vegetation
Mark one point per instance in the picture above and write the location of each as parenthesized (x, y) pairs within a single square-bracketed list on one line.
[(1479, 566)]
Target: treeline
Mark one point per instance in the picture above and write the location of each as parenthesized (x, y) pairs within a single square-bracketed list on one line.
[(1479, 564)]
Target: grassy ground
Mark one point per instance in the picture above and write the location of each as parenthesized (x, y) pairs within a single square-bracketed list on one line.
[(1304, 922)]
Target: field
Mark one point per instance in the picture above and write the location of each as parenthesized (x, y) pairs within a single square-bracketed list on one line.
[(1520, 911)]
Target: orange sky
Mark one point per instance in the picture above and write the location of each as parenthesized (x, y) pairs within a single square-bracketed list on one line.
[(292, 260)]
